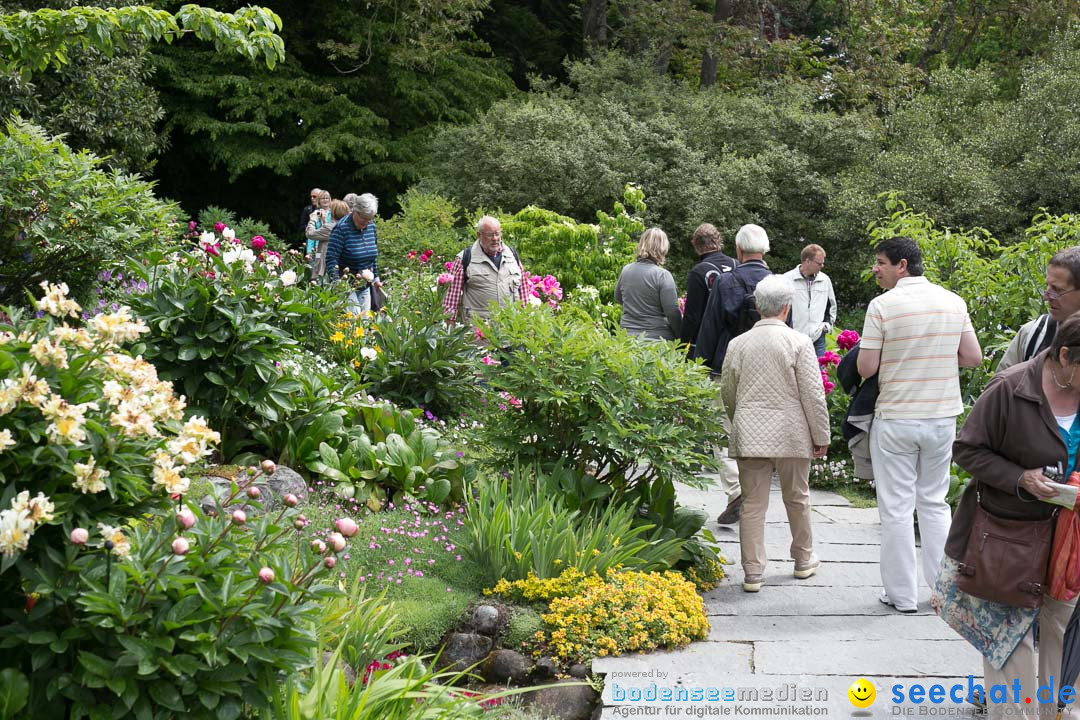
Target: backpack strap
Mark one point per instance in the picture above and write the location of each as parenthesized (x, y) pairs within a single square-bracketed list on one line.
[(1038, 336)]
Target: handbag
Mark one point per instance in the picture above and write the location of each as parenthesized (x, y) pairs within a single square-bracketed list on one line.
[(1006, 560), (378, 298)]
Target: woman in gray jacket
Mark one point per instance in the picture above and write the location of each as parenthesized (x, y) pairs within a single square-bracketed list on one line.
[(646, 291)]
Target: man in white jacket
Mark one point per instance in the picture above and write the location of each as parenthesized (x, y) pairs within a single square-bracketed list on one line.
[(813, 309)]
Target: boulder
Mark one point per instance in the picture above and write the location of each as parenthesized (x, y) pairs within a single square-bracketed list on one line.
[(506, 666), (486, 620), (579, 671), (463, 650), (545, 668), (568, 700), (283, 481)]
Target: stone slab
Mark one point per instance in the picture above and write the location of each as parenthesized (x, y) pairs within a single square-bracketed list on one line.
[(837, 628), (837, 574), (801, 600), (777, 548), (692, 664), (714, 501), (895, 656), (851, 515)]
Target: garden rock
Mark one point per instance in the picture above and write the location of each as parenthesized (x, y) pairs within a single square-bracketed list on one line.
[(577, 670), (506, 666), (463, 650), (350, 674), (568, 700), (545, 668), (284, 481), (486, 620)]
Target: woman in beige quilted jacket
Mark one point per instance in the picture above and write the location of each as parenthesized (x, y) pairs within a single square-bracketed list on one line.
[(772, 391)]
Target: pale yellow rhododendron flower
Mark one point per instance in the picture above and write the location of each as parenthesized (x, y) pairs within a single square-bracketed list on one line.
[(167, 474), (15, 532), (133, 420), (6, 439), (72, 336), (55, 301), (121, 546), (49, 353), (88, 478), (29, 388), (9, 397), (6, 337), (118, 327), (67, 420)]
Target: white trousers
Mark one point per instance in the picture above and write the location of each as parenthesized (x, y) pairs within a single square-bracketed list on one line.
[(911, 473), (1021, 665)]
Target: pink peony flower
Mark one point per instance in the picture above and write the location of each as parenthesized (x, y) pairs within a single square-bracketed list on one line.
[(266, 575), (412, 255), (239, 517), (478, 334), (448, 264), (180, 546), (829, 386), (829, 358), (79, 536), (337, 541), (185, 518), (258, 242), (847, 339), (192, 225), (444, 278), (488, 360), (219, 226), (346, 526)]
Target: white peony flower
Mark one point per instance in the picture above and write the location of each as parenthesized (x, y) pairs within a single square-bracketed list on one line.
[(368, 353), (228, 233), (288, 278), (367, 274)]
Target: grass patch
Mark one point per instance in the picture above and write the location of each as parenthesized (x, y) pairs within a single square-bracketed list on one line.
[(410, 552), (860, 496)]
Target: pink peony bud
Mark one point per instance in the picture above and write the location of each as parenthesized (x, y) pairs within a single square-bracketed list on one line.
[(330, 561), (291, 500), (192, 225), (337, 541), (318, 546), (266, 575), (79, 536), (239, 517), (219, 226), (185, 518), (258, 242), (254, 492), (180, 546), (269, 467), (346, 526)]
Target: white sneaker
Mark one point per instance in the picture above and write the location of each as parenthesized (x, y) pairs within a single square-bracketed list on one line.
[(886, 600)]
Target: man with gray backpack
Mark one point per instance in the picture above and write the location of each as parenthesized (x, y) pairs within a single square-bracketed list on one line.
[(731, 311)]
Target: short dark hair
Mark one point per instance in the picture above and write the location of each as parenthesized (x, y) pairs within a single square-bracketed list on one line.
[(902, 248), (706, 239), (1069, 260), (1068, 336)]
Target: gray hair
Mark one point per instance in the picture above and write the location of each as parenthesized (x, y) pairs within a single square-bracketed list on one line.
[(752, 239), (772, 294), (487, 220), (366, 205)]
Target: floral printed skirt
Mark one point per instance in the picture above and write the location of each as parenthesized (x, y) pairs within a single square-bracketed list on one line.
[(993, 629)]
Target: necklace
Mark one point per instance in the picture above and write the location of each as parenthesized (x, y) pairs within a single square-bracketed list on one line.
[(1063, 386)]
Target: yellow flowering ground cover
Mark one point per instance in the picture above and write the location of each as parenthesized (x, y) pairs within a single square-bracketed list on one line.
[(625, 611)]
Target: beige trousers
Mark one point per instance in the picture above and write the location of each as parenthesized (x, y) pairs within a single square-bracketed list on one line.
[(729, 469), (1021, 666), (755, 478)]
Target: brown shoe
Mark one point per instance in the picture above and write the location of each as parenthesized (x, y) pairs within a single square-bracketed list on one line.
[(752, 583), (731, 513)]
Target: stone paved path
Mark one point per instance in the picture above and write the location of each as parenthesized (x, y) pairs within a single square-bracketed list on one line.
[(817, 635)]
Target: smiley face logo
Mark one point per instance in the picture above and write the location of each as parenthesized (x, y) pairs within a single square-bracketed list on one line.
[(862, 693)]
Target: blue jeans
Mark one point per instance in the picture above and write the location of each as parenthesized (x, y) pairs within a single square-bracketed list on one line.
[(359, 301), (819, 345)]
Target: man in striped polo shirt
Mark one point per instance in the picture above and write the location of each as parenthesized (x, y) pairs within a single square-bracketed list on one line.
[(916, 337)]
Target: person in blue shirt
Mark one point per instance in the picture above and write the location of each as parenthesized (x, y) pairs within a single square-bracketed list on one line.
[(354, 247)]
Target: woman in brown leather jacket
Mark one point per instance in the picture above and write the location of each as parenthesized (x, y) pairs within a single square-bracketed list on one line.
[(1025, 420)]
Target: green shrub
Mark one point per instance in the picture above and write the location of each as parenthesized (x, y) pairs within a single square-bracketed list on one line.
[(215, 319), (522, 627), (421, 361), (521, 527), (426, 221), (117, 605), (64, 218), (579, 254), (431, 612)]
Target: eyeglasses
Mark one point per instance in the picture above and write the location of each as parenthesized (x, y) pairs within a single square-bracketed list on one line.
[(1051, 294), (490, 234)]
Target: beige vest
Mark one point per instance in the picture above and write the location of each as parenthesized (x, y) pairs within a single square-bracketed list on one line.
[(485, 285)]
